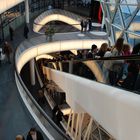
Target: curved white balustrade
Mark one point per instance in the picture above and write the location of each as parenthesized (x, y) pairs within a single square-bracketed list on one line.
[(118, 111), (23, 55), (57, 15), (45, 56)]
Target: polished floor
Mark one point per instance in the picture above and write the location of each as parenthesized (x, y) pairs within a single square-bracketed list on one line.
[(14, 117)]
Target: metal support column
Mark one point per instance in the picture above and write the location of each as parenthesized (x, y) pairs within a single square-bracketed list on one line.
[(27, 11), (70, 66), (32, 72), (60, 66)]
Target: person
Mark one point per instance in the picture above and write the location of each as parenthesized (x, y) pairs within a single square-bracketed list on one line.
[(92, 53), (50, 7), (41, 98), (82, 25), (11, 32), (117, 65), (59, 115), (20, 137), (85, 25), (126, 52), (85, 53), (7, 50), (101, 53), (34, 134), (89, 24), (107, 66), (2, 56), (102, 50), (79, 54), (54, 110), (133, 71), (26, 31), (118, 48)]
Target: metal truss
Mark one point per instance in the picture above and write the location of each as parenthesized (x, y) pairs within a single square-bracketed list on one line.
[(127, 13)]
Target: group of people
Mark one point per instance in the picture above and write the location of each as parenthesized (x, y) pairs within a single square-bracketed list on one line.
[(93, 52), (33, 134), (86, 25), (115, 71)]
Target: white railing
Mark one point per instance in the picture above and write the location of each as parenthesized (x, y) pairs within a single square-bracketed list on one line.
[(116, 110)]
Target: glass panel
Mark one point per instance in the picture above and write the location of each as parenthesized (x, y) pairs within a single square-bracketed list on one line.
[(133, 39), (129, 2), (117, 32), (135, 24), (111, 8), (117, 20), (126, 13)]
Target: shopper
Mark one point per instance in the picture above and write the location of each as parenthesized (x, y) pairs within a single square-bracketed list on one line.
[(7, 50), (34, 134)]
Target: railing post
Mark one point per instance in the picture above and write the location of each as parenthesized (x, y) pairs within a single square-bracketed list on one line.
[(69, 119), (77, 124), (80, 125)]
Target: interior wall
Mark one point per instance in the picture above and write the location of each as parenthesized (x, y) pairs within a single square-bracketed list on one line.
[(7, 4)]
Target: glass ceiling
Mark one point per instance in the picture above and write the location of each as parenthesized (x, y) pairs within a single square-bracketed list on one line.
[(122, 19)]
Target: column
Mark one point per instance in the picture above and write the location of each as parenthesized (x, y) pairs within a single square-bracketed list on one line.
[(70, 66), (27, 11), (60, 66), (32, 72), (103, 22)]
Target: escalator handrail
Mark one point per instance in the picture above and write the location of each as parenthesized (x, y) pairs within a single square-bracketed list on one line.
[(36, 104)]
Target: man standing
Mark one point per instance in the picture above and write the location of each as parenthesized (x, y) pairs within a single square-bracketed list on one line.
[(34, 134)]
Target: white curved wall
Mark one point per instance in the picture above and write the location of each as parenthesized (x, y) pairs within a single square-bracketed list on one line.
[(117, 110), (61, 15), (23, 56), (7, 4), (57, 17)]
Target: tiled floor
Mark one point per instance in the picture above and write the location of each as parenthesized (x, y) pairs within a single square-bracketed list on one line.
[(14, 118)]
